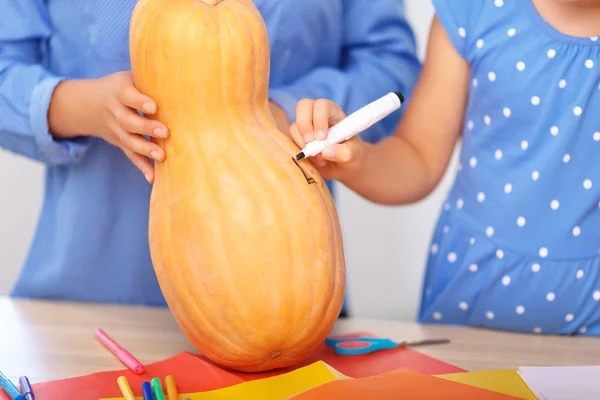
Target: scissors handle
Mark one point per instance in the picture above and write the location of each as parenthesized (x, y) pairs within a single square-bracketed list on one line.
[(366, 345), (358, 346)]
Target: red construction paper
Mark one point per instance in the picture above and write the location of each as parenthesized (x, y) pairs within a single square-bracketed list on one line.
[(191, 374), (399, 384), (195, 373)]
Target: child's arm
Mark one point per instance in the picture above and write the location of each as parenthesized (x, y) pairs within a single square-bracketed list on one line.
[(408, 165)]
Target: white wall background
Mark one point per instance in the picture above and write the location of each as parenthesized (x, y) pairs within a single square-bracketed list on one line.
[(386, 246)]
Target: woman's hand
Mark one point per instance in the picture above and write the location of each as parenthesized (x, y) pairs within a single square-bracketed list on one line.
[(118, 122), (313, 120), (107, 108)]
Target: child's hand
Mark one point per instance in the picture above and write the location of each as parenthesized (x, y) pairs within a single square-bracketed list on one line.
[(118, 123), (313, 120)]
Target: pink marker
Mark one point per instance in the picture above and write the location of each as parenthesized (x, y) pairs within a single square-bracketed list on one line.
[(123, 355)]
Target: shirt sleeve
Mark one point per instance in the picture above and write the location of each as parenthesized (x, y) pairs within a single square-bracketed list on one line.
[(26, 87), (459, 19), (379, 56)]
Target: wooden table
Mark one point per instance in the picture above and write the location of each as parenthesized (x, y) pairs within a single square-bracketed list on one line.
[(51, 340)]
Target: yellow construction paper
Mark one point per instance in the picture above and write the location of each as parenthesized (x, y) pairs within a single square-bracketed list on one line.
[(278, 387), (501, 381)]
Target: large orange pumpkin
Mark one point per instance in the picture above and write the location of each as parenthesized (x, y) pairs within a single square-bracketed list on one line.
[(245, 241)]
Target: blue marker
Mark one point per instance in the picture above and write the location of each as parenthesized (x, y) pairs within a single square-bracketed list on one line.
[(147, 391), (9, 388), (26, 388)]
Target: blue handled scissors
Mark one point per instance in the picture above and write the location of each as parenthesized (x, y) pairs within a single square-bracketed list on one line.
[(366, 345)]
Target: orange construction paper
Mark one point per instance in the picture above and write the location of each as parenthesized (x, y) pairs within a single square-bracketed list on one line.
[(195, 373), (399, 384)]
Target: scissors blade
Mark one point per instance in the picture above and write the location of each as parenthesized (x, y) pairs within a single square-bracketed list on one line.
[(426, 342)]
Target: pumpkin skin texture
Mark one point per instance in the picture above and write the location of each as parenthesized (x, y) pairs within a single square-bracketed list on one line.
[(245, 241)]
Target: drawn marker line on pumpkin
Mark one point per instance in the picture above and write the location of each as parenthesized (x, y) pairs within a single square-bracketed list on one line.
[(355, 123), (308, 178)]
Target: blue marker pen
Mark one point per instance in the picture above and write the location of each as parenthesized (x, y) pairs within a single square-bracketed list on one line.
[(9, 388), (147, 391), (26, 388)]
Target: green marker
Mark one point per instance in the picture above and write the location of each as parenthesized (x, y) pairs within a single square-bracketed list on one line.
[(157, 389)]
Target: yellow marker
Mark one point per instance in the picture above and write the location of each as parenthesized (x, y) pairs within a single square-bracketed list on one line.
[(171, 389), (125, 388)]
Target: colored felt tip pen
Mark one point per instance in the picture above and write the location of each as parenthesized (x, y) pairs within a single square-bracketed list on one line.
[(355, 123), (123, 355), (147, 391), (26, 388), (125, 388), (171, 388), (157, 389), (10, 388)]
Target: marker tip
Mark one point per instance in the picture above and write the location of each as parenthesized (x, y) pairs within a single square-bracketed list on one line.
[(400, 96), (300, 156)]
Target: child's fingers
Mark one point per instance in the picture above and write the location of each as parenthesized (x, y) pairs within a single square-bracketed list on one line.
[(318, 161), (297, 136), (321, 118), (132, 122), (132, 98), (326, 114), (304, 119), (341, 153)]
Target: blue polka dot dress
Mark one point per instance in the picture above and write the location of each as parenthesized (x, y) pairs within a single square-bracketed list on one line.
[(517, 244)]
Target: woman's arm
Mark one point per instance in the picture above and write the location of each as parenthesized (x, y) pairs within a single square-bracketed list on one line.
[(406, 166), (51, 118), (26, 87), (379, 56)]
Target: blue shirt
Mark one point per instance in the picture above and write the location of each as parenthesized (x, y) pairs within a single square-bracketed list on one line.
[(517, 245), (91, 243)]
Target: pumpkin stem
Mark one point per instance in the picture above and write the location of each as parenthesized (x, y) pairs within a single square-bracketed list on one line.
[(211, 2), (275, 354)]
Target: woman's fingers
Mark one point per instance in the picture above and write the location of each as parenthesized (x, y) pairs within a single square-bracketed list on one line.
[(132, 122), (142, 163), (140, 145), (132, 98)]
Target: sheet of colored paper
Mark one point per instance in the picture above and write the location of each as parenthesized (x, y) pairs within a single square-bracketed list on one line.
[(563, 382), (501, 381), (190, 372), (278, 387), (400, 384)]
